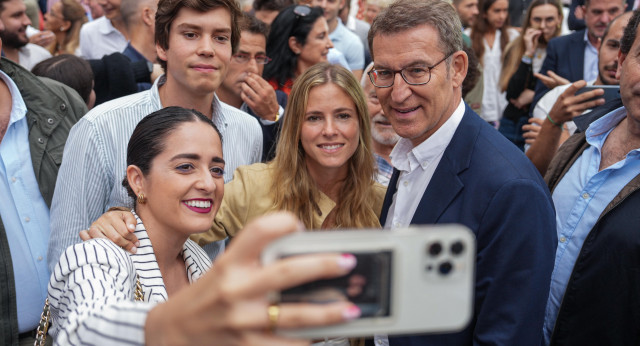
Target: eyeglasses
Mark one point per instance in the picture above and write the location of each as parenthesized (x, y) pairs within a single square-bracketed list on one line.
[(412, 75), (241, 58)]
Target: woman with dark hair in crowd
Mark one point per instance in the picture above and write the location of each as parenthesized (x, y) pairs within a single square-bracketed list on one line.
[(71, 71), (65, 19), (298, 39), (100, 294), (522, 58), (490, 35)]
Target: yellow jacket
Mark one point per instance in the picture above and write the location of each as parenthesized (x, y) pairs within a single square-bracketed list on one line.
[(247, 196)]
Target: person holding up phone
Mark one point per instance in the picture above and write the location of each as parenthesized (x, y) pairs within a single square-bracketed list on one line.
[(522, 58), (552, 122)]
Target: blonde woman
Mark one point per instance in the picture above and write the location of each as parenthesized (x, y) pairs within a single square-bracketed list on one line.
[(65, 19)]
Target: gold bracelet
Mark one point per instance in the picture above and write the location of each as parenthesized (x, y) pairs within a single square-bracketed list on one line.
[(277, 114)]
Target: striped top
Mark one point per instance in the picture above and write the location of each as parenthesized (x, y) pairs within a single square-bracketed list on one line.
[(91, 291), (95, 161)]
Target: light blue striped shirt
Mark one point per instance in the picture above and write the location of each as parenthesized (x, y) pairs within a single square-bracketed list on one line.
[(95, 161), (25, 214), (580, 197)]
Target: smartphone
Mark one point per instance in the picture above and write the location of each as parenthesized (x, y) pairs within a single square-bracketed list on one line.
[(414, 280), (611, 92)]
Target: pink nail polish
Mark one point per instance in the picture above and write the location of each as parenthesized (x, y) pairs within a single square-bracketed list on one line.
[(347, 261), (351, 313)]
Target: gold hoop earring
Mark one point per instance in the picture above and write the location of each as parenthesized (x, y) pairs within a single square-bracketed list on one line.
[(141, 198)]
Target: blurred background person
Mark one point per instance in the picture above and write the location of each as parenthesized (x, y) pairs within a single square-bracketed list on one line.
[(267, 10), (139, 19), (105, 35), (382, 133), (358, 27), (522, 58), (65, 19), (71, 71), (298, 39), (15, 43), (490, 35), (245, 89), (467, 11)]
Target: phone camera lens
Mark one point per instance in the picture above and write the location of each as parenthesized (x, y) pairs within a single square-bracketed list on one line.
[(445, 268), (457, 248), (435, 249)]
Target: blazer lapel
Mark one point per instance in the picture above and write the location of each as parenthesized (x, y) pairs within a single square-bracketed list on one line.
[(576, 57), (445, 184), (388, 197)]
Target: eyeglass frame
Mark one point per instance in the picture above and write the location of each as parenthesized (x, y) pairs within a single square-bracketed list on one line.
[(429, 68), (255, 57)]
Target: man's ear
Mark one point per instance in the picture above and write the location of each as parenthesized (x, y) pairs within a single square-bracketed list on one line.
[(161, 52), (295, 47), (621, 58), (459, 67), (148, 16)]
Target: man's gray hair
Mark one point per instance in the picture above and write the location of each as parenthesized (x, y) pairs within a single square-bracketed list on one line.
[(408, 14)]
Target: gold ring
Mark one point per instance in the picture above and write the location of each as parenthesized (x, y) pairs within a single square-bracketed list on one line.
[(273, 311)]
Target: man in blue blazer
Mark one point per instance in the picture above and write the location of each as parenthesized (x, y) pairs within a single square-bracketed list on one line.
[(575, 56), (452, 167)]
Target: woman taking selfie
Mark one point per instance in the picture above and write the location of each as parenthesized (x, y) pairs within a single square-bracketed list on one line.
[(298, 39), (522, 58), (99, 294), (490, 35)]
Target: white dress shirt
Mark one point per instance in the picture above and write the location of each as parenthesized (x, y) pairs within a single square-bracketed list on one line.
[(91, 291), (416, 166), (99, 38), (32, 54)]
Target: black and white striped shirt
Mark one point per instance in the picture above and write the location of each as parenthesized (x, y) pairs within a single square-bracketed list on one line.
[(91, 291), (95, 161)]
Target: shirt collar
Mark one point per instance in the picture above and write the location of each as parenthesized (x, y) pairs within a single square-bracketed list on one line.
[(586, 38), (106, 27), (18, 107), (598, 130), (407, 158)]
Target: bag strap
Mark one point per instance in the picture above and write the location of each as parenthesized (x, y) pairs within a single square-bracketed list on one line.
[(45, 316)]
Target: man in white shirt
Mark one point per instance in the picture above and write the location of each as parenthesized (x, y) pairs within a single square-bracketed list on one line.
[(105, 35), (16, 46), (453, 167), (194, 46)]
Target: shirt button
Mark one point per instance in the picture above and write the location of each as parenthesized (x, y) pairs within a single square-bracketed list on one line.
[(585, 195), (63, 107), (563, 239), (39, 258), (405, 183), (40, 140), (27, 219), (50, 121), (13, 179)]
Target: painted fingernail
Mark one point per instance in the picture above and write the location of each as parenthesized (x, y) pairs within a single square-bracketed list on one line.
[(134, 249), (131, 226), (347, 261), (137, 244), (351, 313)]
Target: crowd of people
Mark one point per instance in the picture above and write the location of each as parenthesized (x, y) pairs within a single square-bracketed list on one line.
[(150, 150)]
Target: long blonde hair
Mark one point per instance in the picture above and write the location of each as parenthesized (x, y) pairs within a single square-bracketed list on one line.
[(515, 50), (73, 12), (293, 187)]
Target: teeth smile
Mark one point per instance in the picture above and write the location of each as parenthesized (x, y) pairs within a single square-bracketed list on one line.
[(330, 147), (406, 110), (198, 204)]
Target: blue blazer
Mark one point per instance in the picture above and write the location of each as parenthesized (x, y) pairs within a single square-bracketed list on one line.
[(565, 57), (485, 183)]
